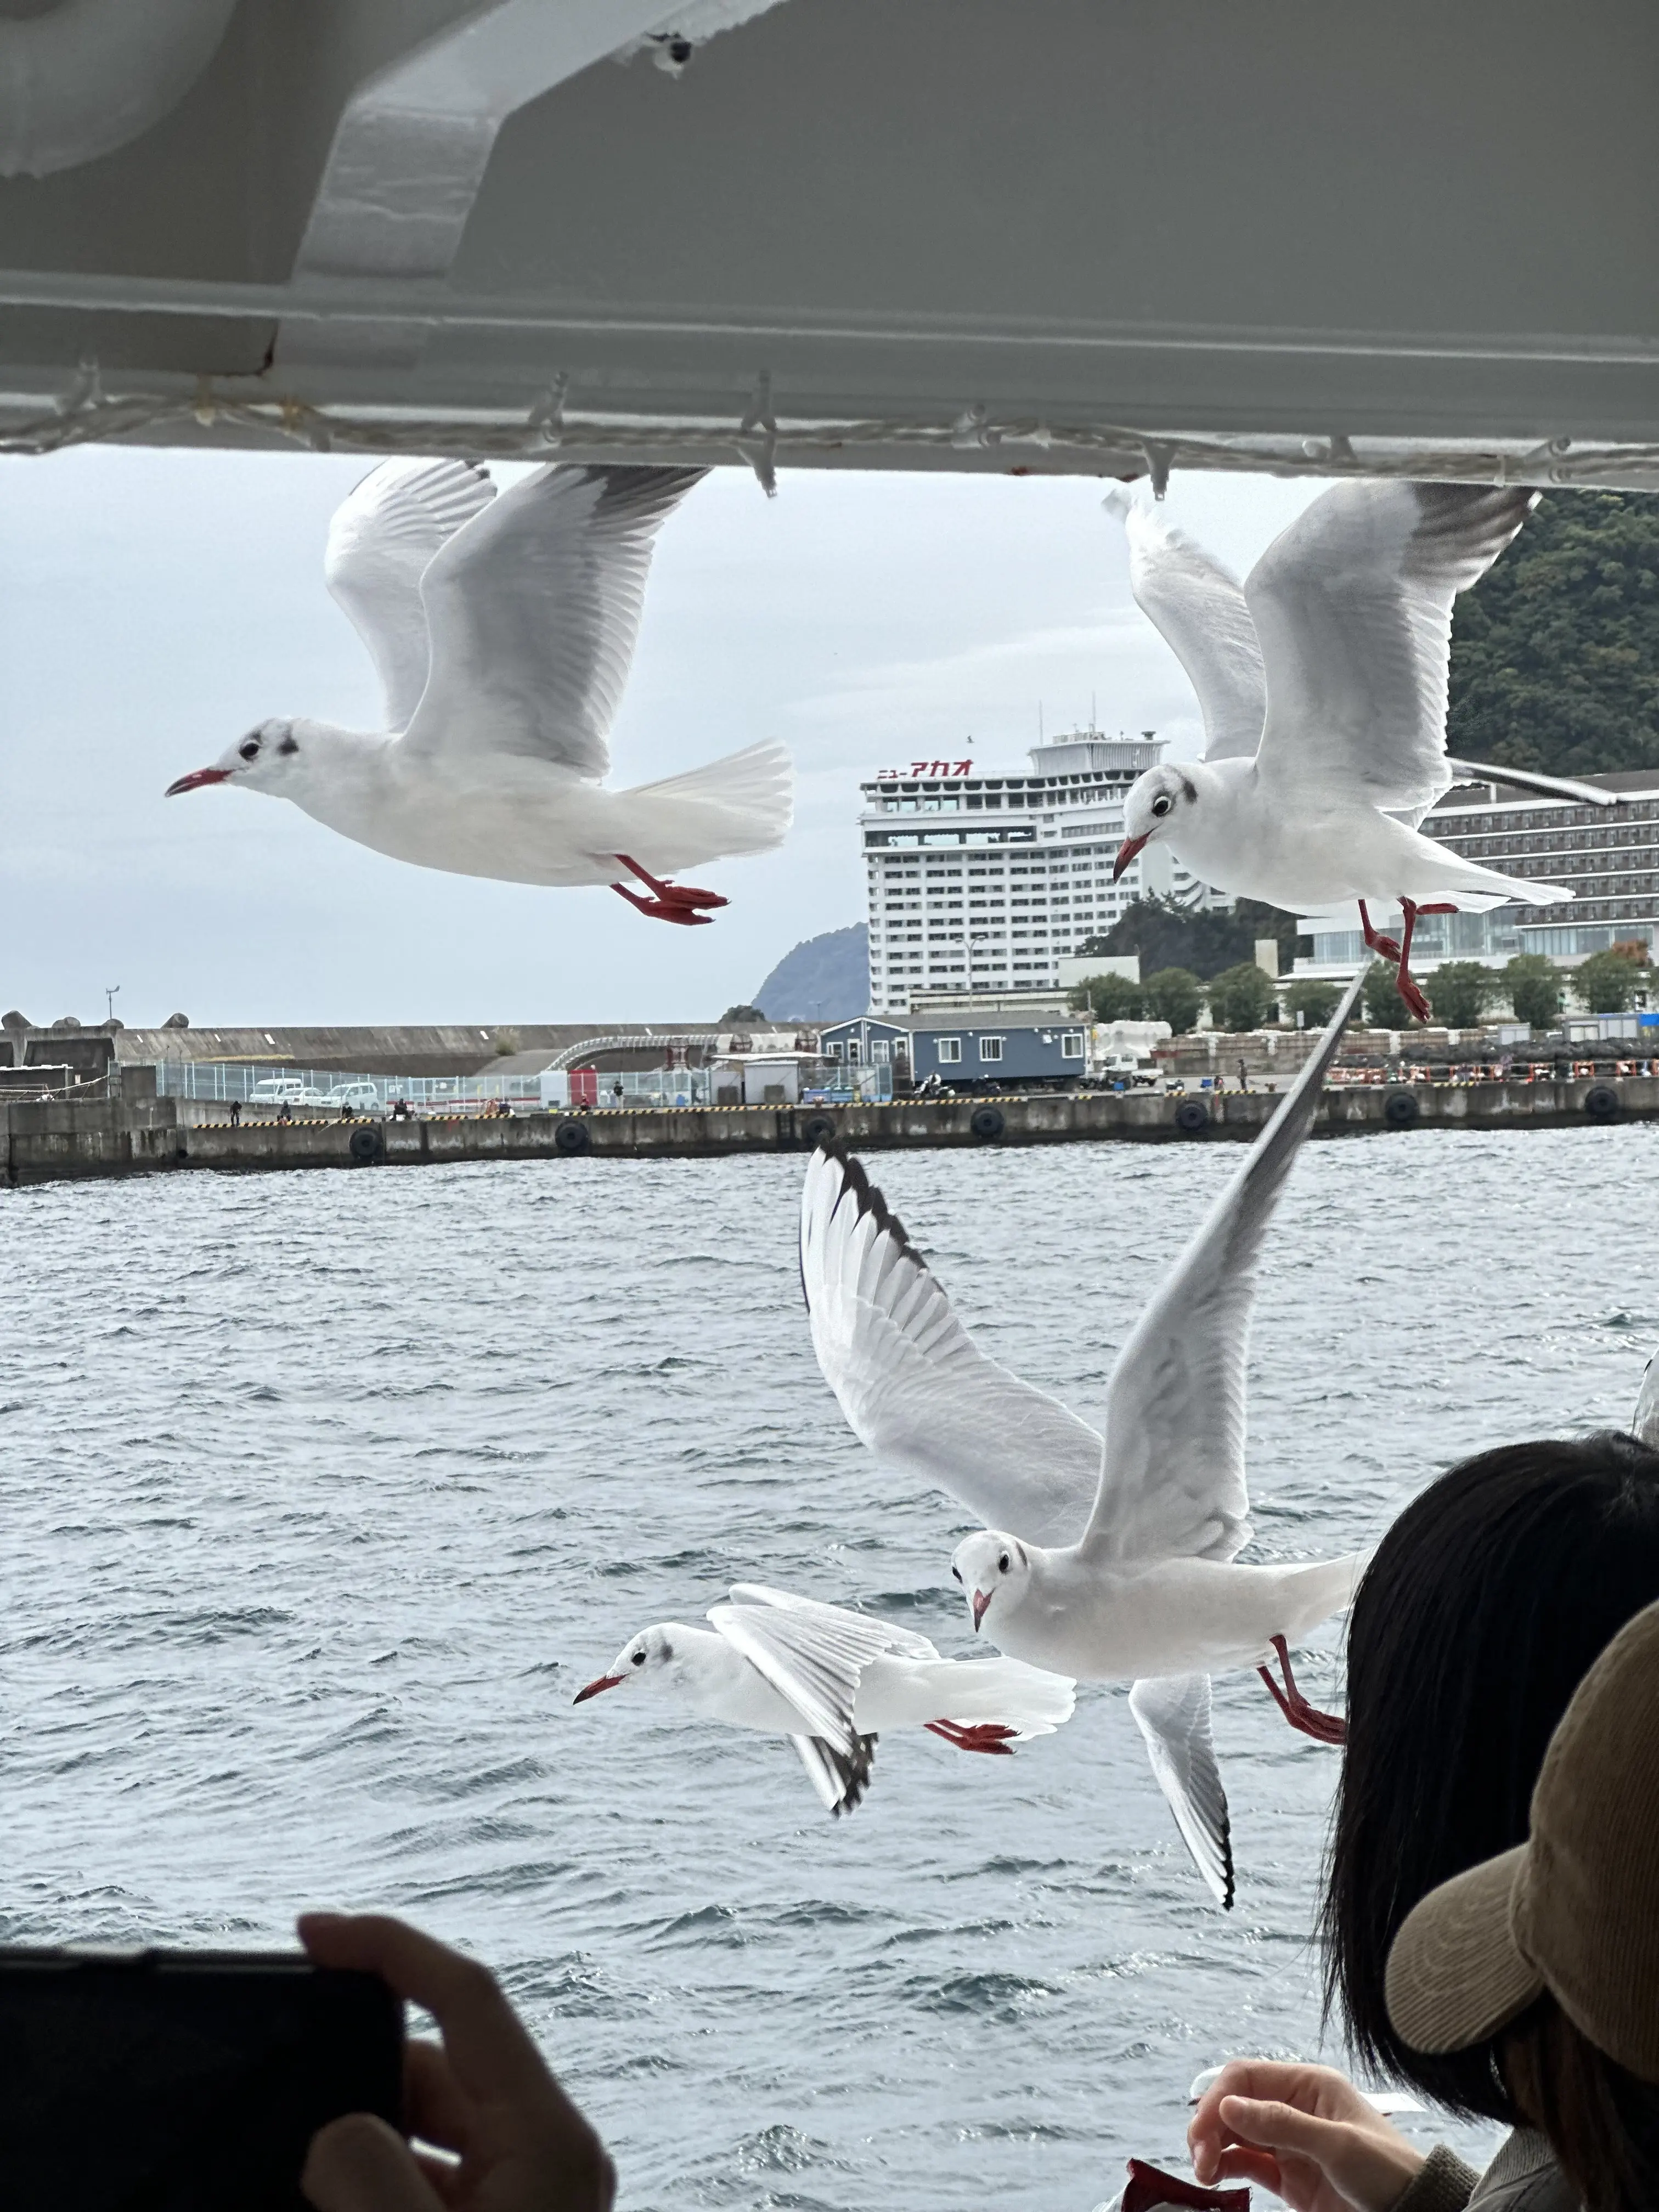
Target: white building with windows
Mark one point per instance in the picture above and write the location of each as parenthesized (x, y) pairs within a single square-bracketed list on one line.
[(982, 882), (1607, 856)]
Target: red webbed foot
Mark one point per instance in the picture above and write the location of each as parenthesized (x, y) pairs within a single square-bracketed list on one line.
[(1306, 1719), (670, 894), (981, 1736), (660, 910)]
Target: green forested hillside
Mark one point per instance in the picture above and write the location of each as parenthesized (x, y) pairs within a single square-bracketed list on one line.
[(1555, 653)]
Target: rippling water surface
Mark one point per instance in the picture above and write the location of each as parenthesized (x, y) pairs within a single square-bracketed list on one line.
[(323, 1493)]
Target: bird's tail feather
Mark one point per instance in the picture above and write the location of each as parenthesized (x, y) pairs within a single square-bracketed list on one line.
[(1323, 1587), (1002, 1692), (742, 804)]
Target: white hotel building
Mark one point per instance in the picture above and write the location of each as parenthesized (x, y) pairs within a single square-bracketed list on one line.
[(1607, 856), (982, 882)]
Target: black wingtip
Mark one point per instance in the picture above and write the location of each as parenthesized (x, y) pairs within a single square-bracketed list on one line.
[(628, 487), (867, 1198), (853, 1774), (1227, 1862)]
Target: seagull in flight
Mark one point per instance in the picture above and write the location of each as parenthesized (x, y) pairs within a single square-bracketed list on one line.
[(503, 630), (832, 1682), (1107, 1557), (1322, 685)]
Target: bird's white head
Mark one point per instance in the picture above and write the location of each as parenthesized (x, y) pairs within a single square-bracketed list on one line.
[(1156, 805), (647, 1661), (994, 1569), (271, 758)]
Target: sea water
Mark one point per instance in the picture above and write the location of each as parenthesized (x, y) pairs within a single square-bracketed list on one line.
[(321, 1494)]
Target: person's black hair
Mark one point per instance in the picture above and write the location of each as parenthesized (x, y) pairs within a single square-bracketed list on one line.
[(1480, 1614)]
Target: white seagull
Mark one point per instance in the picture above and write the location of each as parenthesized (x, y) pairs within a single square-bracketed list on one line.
[(1323, 686), (1105, 1558), (832, 1682), (503, 630)]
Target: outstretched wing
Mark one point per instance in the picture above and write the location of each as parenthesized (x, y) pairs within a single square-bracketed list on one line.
[(534, 610), (840, 1780), (1352, 606), (380, 542), (903, 1643), (1644, 1423), (1198, 607), (1527, 779), (811, 1655), (1173, 1481), (1173, 1711), (913, 1383)]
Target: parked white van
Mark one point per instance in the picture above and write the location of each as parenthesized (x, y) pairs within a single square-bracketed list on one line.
[(357, 1098), (284, 1090)]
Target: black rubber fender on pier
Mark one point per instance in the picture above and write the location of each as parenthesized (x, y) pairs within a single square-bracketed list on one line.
[(987, 1124), (1191, 1116), (1602, 1102), (1400, 1111), (366, 1144), (818, 1129), (570, 1138)]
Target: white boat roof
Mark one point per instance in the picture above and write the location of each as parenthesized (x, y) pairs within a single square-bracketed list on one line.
[(1087, 236)]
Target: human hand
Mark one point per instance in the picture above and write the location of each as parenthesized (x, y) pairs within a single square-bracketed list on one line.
[(1304, 2132), (486, 2096)]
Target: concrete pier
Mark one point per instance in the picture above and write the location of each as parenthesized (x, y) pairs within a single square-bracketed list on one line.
[(47, 1143)]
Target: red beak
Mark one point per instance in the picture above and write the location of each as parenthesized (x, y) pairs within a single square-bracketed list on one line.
[(604, 1682), (982, 1599), (196, 779), (1125, 853)]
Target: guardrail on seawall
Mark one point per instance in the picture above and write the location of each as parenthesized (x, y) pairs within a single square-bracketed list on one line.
[(53, 1142)]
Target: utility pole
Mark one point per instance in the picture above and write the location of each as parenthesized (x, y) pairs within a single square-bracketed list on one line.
[(111, 992)]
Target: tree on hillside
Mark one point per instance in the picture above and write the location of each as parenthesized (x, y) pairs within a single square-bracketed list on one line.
[(1242, 998), (1315, 1002), (1108, 998), (1534, 983), (1173, 995), (1461, 991), (1608, 983), (1168, 935), (1555, 652)]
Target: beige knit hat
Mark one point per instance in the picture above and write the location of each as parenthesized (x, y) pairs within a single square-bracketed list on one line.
[(1575, 1910)]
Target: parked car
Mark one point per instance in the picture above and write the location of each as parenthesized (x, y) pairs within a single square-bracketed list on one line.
[(284, 1090), (356, 1097)]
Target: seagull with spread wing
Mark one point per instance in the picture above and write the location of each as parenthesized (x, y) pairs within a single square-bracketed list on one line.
[(1322, 683), (503, 630), (832, 1682), (1105, 1558)]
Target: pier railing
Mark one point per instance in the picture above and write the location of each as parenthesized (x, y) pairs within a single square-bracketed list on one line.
[(250, 1084)]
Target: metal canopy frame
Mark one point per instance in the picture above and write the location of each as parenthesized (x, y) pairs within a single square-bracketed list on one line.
[(1108, 237)]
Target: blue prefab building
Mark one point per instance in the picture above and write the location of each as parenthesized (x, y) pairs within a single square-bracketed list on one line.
[(966, 1051)]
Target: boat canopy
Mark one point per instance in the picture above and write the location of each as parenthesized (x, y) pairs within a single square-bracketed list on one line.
[(1108, 237)]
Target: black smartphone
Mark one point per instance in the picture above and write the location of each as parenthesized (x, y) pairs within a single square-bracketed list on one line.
[(182, 2081)]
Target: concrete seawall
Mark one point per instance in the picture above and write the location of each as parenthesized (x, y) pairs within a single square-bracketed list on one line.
[(55, 1142)]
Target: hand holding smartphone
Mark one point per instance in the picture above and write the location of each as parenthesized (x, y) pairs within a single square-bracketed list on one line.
[(515, 2142), (225, 2081), (183, 2080)]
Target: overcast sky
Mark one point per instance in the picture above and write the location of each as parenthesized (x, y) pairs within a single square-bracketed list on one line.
[(152, 605)]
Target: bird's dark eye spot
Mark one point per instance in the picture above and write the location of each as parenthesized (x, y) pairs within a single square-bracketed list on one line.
[(957, 1572), (249, 749), (1162, 805), (1003, 1562), (289, 745), (639, 1658)]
